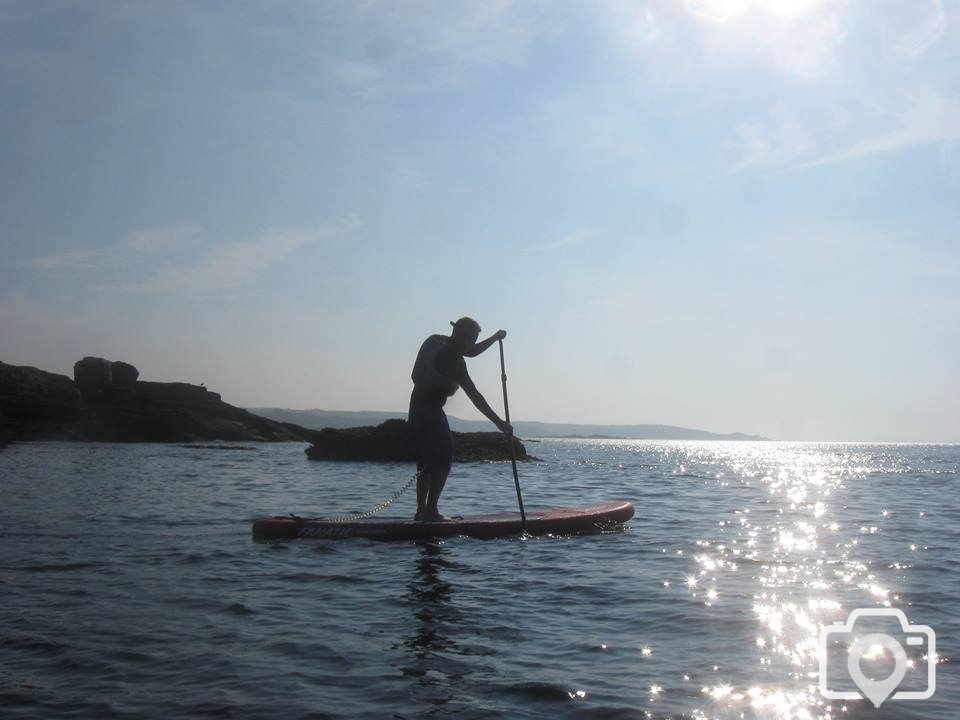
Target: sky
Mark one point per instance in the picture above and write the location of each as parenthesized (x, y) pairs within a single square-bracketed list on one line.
[(731, 215)]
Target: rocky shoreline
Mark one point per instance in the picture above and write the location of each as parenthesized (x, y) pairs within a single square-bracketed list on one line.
[(107, 402)]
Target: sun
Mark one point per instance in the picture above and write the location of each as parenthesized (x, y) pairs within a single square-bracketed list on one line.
[(721, 11)]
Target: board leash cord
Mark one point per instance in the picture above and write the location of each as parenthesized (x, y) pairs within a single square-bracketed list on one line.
[(379, 507)]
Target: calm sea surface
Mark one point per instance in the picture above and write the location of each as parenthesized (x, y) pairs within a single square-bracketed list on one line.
[(130, 586)]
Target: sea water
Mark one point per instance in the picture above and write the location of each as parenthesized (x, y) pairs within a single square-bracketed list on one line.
[(130, 585)]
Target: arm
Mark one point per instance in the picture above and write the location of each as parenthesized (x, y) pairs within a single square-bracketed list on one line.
[(484, 344), (481, 404)]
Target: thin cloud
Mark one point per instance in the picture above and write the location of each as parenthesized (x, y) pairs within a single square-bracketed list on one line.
[(71, 260), (783, 138), (231, 265), (160, 253), (164, 239), (932, 118), (577, 237), (362, 78), (929, 25), (160, 240)]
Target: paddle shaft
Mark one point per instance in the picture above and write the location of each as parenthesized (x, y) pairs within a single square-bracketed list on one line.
[(513, 454)]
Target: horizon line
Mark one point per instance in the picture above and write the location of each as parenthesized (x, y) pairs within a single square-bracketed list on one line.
[(763, 438)]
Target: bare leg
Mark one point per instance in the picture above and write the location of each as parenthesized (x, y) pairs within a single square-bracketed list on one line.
[(423, 490), (430, 484), (438, 478)]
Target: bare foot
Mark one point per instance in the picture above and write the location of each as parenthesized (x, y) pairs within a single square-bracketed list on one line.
[(437, 517)]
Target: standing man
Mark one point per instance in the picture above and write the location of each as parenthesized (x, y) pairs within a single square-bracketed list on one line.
[(437, 374)]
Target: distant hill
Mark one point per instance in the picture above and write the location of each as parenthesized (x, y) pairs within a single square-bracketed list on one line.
[(319, 419)]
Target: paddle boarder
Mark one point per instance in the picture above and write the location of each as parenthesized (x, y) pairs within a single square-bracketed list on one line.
[(439, 371)]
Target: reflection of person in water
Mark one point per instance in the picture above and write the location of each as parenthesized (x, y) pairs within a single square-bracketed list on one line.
[(447, 648), (438, 373), (431, 596)]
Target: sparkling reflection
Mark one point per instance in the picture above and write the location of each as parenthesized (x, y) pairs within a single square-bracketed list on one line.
[(806, 569)]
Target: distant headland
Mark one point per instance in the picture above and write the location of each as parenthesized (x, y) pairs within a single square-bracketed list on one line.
[(317, 419)]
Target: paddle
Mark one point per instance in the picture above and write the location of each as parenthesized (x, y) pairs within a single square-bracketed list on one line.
[(513, 454)]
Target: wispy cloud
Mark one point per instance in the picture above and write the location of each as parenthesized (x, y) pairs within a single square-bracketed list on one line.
[(575, 237), (163, 239), (929, 118), (410, 176), (234, 264), (70, 260), (153, 241), (832, 81), (782, 137), (928, 24), (159, 252), (360, 77)]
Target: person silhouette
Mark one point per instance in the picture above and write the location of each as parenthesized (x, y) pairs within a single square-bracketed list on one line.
[(439, 371)]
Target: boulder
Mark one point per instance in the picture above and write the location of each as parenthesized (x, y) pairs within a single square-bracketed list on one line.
[(93, 376), (124, 375)]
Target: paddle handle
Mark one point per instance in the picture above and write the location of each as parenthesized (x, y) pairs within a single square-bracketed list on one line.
[(513, 454)]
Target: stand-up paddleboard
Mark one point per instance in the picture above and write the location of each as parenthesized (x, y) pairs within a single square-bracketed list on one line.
[(559, 521)]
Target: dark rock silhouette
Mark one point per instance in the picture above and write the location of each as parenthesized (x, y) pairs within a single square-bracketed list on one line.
[(97, 377), (107, 403), (93, 376), (124, 374), (33, 398), (390, 442), (38, 405)]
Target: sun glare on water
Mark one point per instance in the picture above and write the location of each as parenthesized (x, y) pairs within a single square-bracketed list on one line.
[(801, 564)]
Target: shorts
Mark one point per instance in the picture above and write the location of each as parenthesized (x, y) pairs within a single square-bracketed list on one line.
[(430, 438)]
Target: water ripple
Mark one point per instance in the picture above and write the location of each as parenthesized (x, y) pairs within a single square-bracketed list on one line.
[(138, 592)]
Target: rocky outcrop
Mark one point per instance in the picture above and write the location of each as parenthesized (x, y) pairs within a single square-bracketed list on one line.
[(97, 377), (93, 376), (107, 403), (175, 412), (30, 397), (390, 442), (124, 375)]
